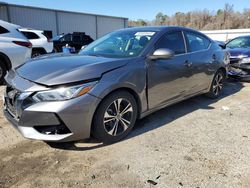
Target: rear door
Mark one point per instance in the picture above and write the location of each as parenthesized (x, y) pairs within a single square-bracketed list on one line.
[(201, 58), (168, 80)]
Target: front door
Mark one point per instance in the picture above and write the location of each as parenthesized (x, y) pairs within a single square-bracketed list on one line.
[(168, 80)]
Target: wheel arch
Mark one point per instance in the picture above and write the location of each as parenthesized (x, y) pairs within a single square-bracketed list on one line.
[(127, 89), (40, 49), (6, 61), (224, 70)]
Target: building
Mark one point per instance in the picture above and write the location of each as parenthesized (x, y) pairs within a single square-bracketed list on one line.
[(226, 35), (56, 22)]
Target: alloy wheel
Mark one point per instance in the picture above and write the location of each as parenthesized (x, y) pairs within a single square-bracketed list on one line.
[(118, 117), (218, 84)]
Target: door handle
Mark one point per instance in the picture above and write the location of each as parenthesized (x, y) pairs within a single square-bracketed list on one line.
[(188, 64)]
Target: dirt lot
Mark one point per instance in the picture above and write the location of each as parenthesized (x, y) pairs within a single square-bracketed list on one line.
[(197, 143)]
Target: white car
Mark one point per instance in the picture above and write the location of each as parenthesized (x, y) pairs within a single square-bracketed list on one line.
[(40, 43), (15, 49)]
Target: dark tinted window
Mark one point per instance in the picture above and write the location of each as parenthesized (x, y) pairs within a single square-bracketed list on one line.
[(48, 34), (3, 30), (30, 35), (67, 38), (196, 42), (173, 41), (76, 38)]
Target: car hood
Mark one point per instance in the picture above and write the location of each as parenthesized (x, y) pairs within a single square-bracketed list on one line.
[(63, 69), (234, 53)]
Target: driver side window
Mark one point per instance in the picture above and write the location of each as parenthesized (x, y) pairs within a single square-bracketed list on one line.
[(173, 41), (66, 38)]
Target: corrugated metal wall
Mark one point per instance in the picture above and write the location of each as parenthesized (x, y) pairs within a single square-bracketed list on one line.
[(59, 21), (3, 13), (33, 18), (70, 22), (225, 35), (107, 24)]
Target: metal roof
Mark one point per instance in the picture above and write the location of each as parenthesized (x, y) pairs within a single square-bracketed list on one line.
[(58, 10)]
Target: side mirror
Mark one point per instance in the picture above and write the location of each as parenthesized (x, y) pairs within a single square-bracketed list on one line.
[(162, 53), (221, 44)]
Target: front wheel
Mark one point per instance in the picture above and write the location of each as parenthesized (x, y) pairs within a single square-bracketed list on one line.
[(115, 117), (217, 85)]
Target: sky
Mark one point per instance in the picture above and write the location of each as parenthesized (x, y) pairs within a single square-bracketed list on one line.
[(133, 9)]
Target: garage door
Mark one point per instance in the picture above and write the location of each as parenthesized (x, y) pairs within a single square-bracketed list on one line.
[(107, 24), (74, 22), (31, 18), (3, 13)]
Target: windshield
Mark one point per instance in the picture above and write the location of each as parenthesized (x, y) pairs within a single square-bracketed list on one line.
[(57, 38), (120, 44), (241, 42)]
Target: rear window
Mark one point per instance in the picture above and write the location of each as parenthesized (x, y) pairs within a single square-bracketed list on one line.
[(3, 30), (30, 35), (196, 42)]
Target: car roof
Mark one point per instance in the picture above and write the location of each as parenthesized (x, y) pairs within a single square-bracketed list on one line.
[(244, 36), (30, 30), (159, 28), (8, 25), (164, 28)]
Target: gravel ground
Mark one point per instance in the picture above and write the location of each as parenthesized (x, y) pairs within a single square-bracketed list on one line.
[(196, 143)]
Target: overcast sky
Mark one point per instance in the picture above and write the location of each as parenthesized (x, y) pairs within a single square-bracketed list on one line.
[(133, 9)]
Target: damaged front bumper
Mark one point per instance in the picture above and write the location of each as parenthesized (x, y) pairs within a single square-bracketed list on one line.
[(238, 69)]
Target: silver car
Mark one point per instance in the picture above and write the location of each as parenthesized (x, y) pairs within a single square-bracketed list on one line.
[(119, 78)]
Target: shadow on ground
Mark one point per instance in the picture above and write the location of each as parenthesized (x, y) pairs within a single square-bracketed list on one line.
[(163, 117)]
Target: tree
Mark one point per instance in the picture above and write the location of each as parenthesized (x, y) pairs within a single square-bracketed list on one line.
[(225, 18), (160, 19)]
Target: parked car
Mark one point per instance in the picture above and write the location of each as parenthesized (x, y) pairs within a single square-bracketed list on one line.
[(15, 49), (239, 49), (123, 76), (76, 40), (40, 42)]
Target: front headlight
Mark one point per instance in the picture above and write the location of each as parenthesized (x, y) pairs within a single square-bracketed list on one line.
[(245, 60), (63, 93)]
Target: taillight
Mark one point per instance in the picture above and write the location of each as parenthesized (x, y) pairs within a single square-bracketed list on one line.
[(25, 44)]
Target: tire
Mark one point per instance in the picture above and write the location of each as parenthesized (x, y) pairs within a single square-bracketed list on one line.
[(36, 53), (57, 50), (217, 85), (117, 125), (3, 72)]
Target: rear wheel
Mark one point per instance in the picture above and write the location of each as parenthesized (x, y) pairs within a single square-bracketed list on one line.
[(36, 53), (115, 117), (3, 72), (217, 85)]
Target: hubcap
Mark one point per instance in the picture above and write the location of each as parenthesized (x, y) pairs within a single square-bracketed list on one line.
[(218, 84), (118, 117)]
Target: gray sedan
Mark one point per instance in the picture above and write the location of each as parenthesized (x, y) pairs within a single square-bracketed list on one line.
[(119, 78)]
